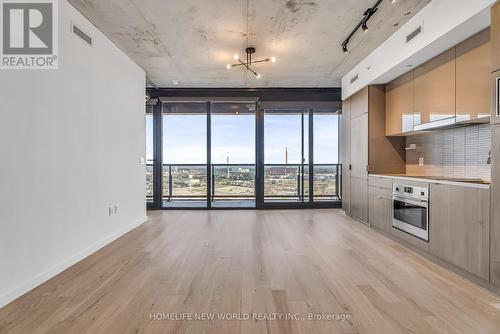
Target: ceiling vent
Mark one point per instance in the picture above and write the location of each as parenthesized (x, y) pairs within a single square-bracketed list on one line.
[(78, 32), (414, 34), (354, 79)]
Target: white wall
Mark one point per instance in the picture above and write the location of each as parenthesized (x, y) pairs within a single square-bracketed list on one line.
[(70, 146), (445, 24)]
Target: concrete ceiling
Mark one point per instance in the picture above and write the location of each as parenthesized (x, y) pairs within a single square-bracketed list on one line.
[(191, 41)]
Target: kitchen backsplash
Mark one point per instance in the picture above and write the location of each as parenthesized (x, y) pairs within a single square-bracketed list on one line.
[(457, 152)]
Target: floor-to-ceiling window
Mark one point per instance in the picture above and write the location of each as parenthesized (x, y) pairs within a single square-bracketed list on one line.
[(149, 156), (286, 155), (184, 155), (232, 149), (326, 155), (225, 154)]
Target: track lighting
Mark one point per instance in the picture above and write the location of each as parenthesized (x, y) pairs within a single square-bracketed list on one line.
[(364, 27), (344, 48), (363, 24)]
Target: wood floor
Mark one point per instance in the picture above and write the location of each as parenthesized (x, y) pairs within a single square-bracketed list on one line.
[(257, 264)]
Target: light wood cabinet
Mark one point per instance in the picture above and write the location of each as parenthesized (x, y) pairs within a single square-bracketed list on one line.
[(346, 156), (459, 227), (473, 77), (359, 147), (380, 208), (359, 103), (399, 105), (367, 148), (495, 206), (495, 37), (359, 199), (434, 89)]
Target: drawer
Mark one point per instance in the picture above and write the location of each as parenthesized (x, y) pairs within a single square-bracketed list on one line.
[(380, 192), (381, 182)]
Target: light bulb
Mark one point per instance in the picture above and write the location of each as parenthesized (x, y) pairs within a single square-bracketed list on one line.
[(258, 76), (228, 66), (273, 59), (236, 57)]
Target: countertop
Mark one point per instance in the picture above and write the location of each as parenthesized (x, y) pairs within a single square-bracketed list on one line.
[(462, 182)]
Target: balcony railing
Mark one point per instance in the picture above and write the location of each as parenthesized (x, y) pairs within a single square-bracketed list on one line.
[(237, 181)]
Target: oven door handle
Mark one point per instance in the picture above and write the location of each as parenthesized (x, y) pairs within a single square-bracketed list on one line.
[(410, 201)]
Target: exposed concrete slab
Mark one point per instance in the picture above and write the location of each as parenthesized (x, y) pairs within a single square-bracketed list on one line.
[(192, 40)]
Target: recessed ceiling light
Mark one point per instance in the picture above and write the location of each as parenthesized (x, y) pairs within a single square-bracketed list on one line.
[(175, 82)]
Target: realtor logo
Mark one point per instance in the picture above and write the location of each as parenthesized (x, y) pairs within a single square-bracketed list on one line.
[(29, 34)]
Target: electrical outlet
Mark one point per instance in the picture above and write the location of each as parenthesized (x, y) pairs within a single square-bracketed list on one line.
[(110, 211), (116, 208), (421, 161)]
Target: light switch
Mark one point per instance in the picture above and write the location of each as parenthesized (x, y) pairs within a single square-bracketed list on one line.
[(142, 161), (421, 161)]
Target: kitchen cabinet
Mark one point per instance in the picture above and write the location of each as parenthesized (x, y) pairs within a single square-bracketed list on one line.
[(359, 199), (359, 167), (495, 207), (346, 156), (399, 105), (359, 147), (473, 63), (380, 208), (434, 91), (359, 103), (495, 37), (366, 148), (459, 227)]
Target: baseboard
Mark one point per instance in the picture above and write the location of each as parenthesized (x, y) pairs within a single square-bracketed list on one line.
[(57, 269)]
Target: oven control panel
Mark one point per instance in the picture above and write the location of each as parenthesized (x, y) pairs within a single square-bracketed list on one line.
[(420, 193)]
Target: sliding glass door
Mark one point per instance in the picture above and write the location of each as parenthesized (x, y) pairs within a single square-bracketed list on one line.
[(232, 138), (184, 170), (326, 155), (286, 156)]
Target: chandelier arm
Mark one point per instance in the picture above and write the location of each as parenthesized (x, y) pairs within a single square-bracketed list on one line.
[(267, 60)]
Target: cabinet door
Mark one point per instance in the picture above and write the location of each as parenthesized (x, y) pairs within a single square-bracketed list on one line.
[(434, 89), (460, 227), (359, 146), (495, 37), (379, 211), (399, 105), (359, 199), (473, 77), (346, 155), (495, 207), (359, 103)]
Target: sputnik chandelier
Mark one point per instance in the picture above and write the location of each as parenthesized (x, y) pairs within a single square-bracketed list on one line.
[(247, 64)]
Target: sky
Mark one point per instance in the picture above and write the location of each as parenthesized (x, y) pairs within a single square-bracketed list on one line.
[(233, 136)]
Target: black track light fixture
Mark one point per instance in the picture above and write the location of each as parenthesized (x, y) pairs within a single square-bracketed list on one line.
[(363, 24), (364, 27), (344, 47)]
